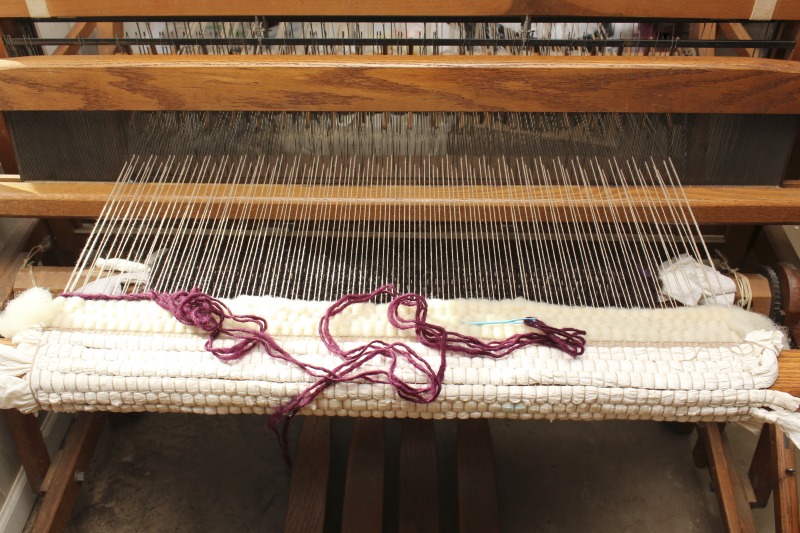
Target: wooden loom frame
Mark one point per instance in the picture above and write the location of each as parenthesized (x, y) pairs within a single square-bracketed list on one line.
[(411, 84), (678, 9)]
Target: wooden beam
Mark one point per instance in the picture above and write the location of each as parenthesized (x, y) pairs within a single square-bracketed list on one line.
[(8, 159), (708, 9), (658, 84), (56, 506), (30, 445), (308, 491), (785, 497), (789, 373), (773, 473), (762, 473), (108, 30), (737, 31), (362, 511), (704, 30), (720, 205), (733, 502), (477, 485), (418, 486), (80, 30)]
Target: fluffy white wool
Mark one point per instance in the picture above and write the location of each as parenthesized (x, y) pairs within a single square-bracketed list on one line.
[(31, 308)]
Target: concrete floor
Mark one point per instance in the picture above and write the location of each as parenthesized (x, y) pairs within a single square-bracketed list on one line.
[(184, 473)]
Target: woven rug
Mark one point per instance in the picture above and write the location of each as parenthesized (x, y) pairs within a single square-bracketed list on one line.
[(688, 365)]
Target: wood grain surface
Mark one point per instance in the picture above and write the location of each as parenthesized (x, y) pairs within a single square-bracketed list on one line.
[(773, 474), (787, 503), (30, 446), (706, 9), (728, 487), (659, 84), (308, 492), (478, 510), (56, 506), (788, 373), (418, 484), (720, 205), (362, 510)]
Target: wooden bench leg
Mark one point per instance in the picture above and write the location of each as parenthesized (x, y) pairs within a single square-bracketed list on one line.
[(309, 487), (774, 472), (418, 493), (31, 448), (734, 505), (363, 494), (65, 476), (477, 485)]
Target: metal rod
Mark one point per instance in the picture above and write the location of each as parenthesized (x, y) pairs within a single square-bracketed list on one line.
[(337, 41)]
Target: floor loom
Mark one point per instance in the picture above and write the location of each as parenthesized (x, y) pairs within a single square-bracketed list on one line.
[(401, 154)]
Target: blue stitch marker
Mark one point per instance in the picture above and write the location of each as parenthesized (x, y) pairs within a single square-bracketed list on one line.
[(495, 322)]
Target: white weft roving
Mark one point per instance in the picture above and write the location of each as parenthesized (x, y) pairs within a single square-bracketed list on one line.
[(689, 365)]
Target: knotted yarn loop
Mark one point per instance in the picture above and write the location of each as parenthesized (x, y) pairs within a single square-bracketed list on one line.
[(571, 341), (195, 308)]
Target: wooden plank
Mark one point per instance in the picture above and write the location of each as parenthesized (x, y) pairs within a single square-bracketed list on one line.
[(733, 503), (789, 373), (477, 486), (56, 506), (363, 494), (721, 205), (309, 487), (787, 510), (762, 472), (8, 159), (708, 9), (794, 54), (656, 84), (418, 492), (787, 10), (48, 277), (108, 30), (699, 457), (80, 30), (737, 31), (30, 445), (773, 472)]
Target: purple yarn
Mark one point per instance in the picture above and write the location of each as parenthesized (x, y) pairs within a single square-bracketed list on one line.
[(197, 309)]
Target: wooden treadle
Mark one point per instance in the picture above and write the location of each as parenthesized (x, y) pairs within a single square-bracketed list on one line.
[(772, 474), (309, 489)]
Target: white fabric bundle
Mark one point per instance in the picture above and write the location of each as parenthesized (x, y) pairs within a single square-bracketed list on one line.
[(693, 364)]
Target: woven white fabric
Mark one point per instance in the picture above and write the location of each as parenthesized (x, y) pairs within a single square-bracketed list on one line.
[(699, 364)]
